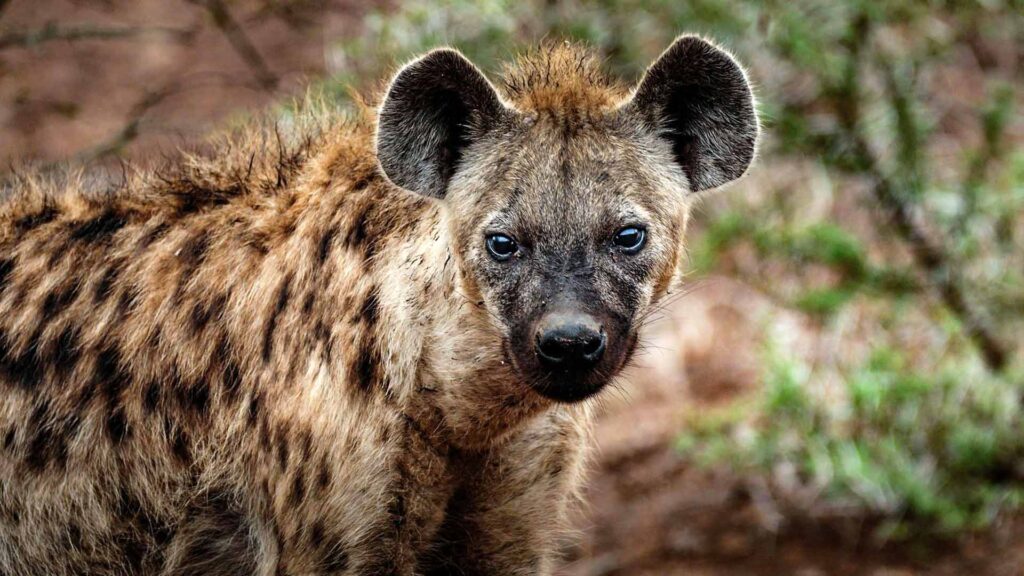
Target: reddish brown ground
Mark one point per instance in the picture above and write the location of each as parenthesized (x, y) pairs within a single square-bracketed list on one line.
[(648, 512)]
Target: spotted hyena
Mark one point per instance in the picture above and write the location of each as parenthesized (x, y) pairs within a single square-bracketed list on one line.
[(361, 350)]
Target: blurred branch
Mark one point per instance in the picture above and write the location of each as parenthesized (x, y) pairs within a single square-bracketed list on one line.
[(928, 252), (994, 120), (50, 32), (238, 39), (130, 131)]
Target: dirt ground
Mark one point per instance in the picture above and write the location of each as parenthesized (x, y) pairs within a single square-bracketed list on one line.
[(174, 72)]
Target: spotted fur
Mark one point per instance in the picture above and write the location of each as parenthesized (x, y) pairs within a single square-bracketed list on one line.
[(271, 359)]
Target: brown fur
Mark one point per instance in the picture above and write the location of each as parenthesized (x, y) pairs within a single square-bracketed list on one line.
[(268, 359)]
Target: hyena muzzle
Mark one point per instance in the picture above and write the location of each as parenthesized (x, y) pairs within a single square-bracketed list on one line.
[(362, 348)]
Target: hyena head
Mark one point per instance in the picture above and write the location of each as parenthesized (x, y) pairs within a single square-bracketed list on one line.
[(568, 194)]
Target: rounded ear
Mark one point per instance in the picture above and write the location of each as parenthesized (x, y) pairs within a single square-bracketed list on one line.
[(697, 96), (435, 107)]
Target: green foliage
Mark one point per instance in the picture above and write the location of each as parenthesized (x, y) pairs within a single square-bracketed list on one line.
[(822, 244), (928, 453)]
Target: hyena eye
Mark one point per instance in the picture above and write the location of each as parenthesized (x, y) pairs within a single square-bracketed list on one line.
[(630, 239), (501, 246)]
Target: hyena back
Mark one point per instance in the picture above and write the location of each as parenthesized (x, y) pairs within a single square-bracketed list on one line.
[(365, 351)]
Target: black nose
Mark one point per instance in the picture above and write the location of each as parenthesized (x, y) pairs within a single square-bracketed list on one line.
[(570, 340)]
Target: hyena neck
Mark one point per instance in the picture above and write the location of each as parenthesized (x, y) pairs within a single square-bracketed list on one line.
[(459, 381)]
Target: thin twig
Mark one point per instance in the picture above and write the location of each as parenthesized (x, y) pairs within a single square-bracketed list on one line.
[(929, 253), (51, 32), (130, 130), (236, 36)]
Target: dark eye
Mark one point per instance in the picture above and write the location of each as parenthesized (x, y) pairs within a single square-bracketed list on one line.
[(630, 239), (501, 246)]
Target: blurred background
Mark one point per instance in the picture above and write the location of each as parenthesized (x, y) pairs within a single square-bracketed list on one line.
[(836, 389)]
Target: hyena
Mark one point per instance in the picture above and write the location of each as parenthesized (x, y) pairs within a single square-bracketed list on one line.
[(364, 350)]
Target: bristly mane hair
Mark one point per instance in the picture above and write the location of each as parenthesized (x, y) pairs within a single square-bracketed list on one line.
[(559, 78)]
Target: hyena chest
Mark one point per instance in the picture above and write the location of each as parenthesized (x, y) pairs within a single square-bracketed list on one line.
[(379, 513)]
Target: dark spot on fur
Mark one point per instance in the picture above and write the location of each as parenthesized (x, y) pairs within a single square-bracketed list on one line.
[(298, 490), (117, 426), (366, 366), (23, 369), (38, 452), (180, 446), (316, 534), (105, 285), (369, 310), (264, 432), (556, 462), (336, 559), (204, 312), (326, 241), (6, 268), (307, 303), (191, 254), (59, 299), (151, 398), (9, 439), (152, 235), (50, 437), (358, 236), (134, 514), (66, 352), (100, 228), (31, 221), (161, 531), (194, 196), (254, 408), (75, 536), (200, 317), (193, 398), (282, 452), (232, 381), (397, 510), (323, 478), (193, 250), (220, 539), (258, 241), (110, 376), (9, 510), (129, 539), (283, 294), (323, 335), (112, 379), (127, 505), (128, 301)]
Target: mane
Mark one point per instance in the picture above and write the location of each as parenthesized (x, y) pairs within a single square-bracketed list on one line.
[(560, 78), (256, 159)]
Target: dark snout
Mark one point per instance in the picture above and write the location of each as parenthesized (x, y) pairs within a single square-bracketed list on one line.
[(569, 346), (570, 341)]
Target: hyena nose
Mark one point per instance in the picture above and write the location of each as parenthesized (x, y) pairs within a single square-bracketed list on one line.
[(570, 340)]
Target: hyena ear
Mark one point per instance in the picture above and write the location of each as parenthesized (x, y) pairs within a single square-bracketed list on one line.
[(435, 107), (697, 97)]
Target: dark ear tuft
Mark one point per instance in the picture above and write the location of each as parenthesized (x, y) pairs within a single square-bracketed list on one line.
[(434, 108), (696, 96)]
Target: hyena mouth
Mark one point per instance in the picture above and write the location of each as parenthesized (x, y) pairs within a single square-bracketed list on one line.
[(569, 365)]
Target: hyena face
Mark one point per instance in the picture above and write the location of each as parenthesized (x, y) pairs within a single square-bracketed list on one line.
[(568, 197)]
